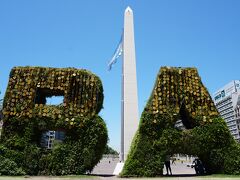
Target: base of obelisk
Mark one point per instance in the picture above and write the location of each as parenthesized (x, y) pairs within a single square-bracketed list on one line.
[(118, 168), (106, 166)]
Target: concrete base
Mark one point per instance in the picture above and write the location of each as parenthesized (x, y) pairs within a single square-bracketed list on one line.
[(118, 168), (106, 166)]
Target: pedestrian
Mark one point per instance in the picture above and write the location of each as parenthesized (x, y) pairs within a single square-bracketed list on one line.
[(198, 166), (167, 165), (195, 164)]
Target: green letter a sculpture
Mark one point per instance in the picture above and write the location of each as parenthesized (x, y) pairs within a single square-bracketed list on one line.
[(179, 94)]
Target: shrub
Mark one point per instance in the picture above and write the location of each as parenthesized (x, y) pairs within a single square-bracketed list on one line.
[(8, 167)]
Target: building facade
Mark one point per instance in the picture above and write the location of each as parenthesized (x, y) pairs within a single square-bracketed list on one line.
[(49, 138), (179, 125), (227, 101), (237, 112)]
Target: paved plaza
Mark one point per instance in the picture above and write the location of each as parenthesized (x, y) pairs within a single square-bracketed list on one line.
[(107, 165), (180, 170), (171, 178), (105, 168)]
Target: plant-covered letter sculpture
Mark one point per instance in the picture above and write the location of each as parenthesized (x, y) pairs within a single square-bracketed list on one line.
[(27, 119), (179, 94)]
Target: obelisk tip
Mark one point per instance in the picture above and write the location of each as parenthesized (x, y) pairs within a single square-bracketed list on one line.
[(128, 9)]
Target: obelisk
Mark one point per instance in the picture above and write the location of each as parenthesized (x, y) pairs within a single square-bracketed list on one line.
[(129, 119)]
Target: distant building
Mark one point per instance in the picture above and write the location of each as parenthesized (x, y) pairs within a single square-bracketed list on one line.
[(227, 101), (237, 112), (49, 138), (179, 125)]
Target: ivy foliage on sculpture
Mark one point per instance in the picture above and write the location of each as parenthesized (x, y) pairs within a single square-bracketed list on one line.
[(179, 94), (27, 117)]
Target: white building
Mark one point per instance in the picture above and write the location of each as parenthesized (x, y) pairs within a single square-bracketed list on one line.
[(49, 138), (179, 125), (227, 101), (237, 113)]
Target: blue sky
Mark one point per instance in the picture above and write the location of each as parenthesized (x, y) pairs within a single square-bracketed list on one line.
[(84, 34)]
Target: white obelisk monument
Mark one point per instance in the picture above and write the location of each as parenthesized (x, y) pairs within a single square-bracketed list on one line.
[(129, 120), (129, 101)]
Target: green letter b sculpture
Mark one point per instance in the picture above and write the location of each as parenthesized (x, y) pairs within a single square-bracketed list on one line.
[(27, 118)]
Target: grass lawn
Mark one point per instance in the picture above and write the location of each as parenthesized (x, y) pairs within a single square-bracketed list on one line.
[(83, 177), (86, 177), (222, 176)]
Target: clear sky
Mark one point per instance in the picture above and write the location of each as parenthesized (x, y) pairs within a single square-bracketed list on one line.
[(84, 33)]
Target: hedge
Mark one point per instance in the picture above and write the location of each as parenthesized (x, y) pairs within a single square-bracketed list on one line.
[(26, 117), (178, 93)]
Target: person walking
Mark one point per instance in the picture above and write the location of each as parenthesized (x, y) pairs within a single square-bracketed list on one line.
[(167, 165), (173, 160), (198, 166)]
